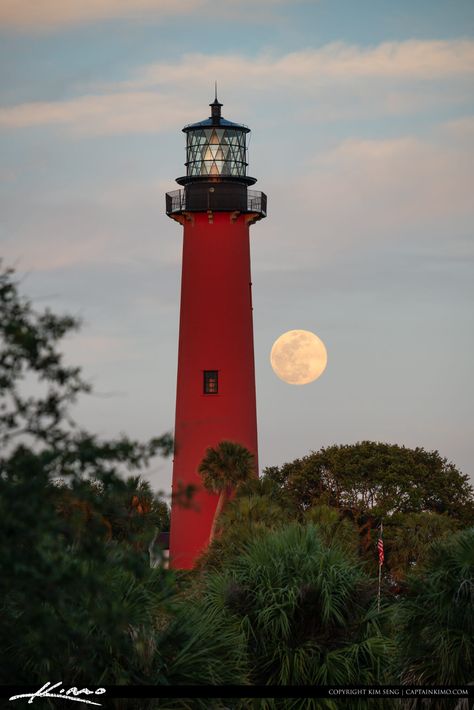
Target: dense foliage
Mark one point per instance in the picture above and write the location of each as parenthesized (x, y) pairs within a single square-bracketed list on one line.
[(286, 592), (79, 600), (307, 612), (417, 495), (223, 469), (435, 619), (376, 479)]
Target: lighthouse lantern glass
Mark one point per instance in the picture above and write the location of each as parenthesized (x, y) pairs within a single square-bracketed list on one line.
[(217, 152)]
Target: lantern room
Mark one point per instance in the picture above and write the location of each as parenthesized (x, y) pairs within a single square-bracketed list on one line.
[(216, 147), (216, 170)]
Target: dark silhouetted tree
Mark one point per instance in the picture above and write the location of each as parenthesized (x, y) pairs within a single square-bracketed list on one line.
[(435, 619), (78, 599)]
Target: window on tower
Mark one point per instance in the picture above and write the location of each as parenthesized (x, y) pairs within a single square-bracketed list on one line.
[(211, 383)]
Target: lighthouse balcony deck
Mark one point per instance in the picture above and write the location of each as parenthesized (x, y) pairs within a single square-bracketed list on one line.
[(217, 200)]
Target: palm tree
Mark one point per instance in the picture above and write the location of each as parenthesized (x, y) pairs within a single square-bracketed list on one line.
[(245, 518), (333, 528), (223, 469), (435, 620), (307, 611)]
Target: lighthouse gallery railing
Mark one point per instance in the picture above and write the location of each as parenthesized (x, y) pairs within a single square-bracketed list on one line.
[(221, 200)]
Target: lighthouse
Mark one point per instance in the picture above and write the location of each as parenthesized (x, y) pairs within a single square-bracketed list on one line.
[(215, 396)]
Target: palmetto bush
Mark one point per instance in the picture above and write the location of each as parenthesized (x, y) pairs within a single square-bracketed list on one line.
[(435, 620), (307, 613), (245, 518)]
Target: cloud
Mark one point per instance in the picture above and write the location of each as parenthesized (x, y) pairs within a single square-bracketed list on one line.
[(328, 205), (361, 197), (136, 112), (345, 80), (41, 15), (111, 226), (459, 129), (397, 181), (48, 14), (411, 59)]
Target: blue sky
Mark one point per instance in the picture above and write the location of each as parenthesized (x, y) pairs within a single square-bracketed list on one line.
[(362, 122)]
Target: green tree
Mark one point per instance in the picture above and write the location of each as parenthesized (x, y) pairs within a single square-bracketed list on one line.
[(377, 479), (307, 612), (223, 469), (245, 518), (128, 509), (334, 528), (78, 599), (435, 619), (257, 509), (369, 483), (408, 538)]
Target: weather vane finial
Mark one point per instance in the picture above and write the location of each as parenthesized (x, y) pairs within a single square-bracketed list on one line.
[(216, 107)]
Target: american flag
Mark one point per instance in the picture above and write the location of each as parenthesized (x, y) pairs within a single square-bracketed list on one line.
[(380, 547)]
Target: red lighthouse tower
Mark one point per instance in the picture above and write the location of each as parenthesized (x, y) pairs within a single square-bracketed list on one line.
[(215, 398)]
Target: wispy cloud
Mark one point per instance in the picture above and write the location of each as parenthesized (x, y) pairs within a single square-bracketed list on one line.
[(47, 15), (411, 59), (461, 129), (393, 184), (50, 14), (114, 224), (163, 95), (124, 112), (364, 193), (367, 194)]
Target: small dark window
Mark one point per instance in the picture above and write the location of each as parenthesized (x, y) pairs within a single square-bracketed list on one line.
[(210, 382)]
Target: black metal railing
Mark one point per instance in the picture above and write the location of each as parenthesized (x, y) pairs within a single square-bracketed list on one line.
[(257, 202), (219, 200), (175, 201)]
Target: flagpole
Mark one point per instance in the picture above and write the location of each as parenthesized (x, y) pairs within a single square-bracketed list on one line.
[(381, 560), (380, 584)]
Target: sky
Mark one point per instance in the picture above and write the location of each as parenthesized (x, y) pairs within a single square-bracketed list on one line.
[(362, 118)]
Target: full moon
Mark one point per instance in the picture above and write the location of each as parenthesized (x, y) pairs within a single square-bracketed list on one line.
[(298, 357)]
